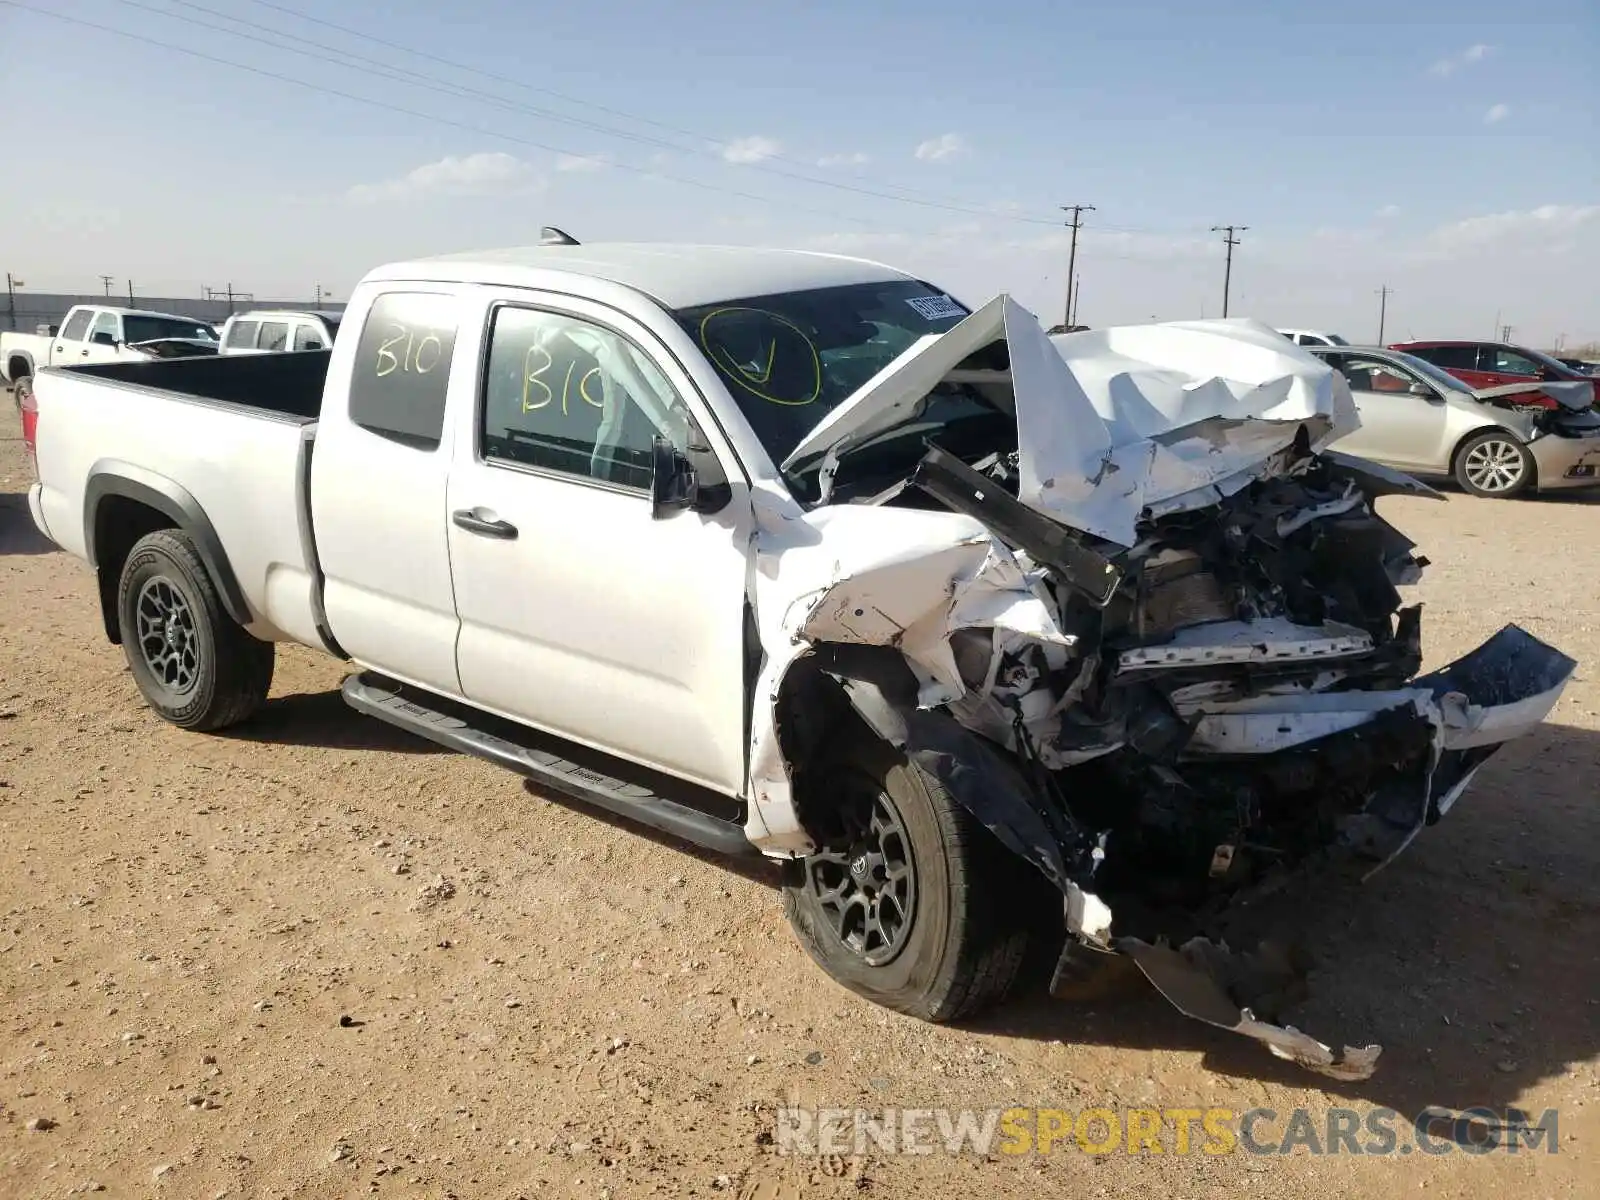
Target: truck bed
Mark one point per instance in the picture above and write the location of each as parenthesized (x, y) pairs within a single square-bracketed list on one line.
[(227, 437), (285, 385)]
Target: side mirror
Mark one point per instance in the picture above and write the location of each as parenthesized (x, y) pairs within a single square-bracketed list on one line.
[(1423, 390), (675, 482), (103, 339), (672, 482)]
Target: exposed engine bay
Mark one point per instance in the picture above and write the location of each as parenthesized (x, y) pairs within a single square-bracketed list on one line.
[(1178, 616)]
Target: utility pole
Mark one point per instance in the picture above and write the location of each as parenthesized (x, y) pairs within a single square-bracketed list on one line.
[(1230, 242), (322, 294), (11, 298), (106, 279), (1077, 295), (1077, 211), (1383, 308), (1505, 333), (130, 293)]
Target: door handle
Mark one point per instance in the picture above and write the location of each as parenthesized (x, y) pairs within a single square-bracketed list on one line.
[(83, 354), (467, 519)]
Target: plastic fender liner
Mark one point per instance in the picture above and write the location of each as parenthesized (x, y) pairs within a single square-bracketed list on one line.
[(883, 691)]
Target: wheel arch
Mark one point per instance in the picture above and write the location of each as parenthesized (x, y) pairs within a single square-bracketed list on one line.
[(124, 502), (834, 684), (18, 356)]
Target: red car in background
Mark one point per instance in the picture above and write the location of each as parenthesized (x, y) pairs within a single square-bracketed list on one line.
[(1494, 364)]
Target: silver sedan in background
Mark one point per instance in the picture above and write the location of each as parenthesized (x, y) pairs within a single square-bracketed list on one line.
[(1497, 442)]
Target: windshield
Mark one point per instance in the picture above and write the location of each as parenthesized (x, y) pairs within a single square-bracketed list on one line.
[(147, 329), (792, 358)]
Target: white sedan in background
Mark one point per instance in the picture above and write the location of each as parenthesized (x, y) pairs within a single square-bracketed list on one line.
[(1498, 442)]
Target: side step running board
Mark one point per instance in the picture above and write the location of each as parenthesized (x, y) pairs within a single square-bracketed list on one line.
[(436, 719)]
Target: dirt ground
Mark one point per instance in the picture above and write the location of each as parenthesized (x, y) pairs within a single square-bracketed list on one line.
[(228, 965)]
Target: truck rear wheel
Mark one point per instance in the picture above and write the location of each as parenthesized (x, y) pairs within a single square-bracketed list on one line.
[(194, 664), (905, 902)]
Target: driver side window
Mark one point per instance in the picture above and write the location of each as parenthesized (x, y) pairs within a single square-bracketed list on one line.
[(106, 324), (566, 395), (1374, 375)]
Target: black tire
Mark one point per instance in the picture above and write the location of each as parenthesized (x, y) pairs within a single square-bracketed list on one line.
[(966, 942), (1494, 464), (194, 664)]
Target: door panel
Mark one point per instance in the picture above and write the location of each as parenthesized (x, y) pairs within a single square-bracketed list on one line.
[(580, 613), (379, 476), (1397, 428)]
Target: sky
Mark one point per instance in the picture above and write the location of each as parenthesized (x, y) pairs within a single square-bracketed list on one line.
[(1446, 149)]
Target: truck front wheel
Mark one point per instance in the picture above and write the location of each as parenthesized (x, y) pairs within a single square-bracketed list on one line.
[(905, 902), (194, 664)]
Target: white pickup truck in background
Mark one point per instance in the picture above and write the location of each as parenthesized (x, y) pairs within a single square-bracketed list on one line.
[(792, 552), (94, 333), (266, 331)]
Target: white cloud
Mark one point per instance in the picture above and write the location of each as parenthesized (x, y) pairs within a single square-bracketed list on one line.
[(470, 175), (844, 160), (749, 149), (1456, 62), (582, 163), (1389, 210), (1548, 222), (1497, 113), (944, 147)]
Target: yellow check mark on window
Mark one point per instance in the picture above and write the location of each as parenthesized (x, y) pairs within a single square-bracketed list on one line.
[(752, 376)]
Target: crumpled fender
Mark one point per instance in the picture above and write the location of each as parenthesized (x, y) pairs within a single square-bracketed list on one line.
[(883, 691)]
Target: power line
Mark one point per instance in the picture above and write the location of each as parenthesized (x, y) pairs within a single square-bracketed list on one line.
[(1077, 211), (650, 172), (376, 67), (1230, 242), (581, 103)]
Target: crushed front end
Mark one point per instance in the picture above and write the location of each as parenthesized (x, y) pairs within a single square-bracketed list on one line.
[(1195, 654)]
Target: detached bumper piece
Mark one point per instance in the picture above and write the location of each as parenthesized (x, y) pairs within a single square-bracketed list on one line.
[(1465, 712)]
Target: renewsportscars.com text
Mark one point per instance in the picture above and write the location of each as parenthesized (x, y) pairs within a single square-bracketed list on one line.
[(1196, 1130)]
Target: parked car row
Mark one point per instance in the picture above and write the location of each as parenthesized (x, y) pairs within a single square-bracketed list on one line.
[(1499, 419), (1498, 441), (93, 333)]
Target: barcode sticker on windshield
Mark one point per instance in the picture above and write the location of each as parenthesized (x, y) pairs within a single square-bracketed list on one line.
[(936, 308)]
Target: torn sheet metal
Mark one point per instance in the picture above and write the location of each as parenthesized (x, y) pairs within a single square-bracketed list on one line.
[(1156, 646), (1190, 978), (1117, 423), (1496, 694)]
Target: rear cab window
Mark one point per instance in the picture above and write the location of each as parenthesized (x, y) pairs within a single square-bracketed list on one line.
[(274, 336), (309, 336), (401, 372)]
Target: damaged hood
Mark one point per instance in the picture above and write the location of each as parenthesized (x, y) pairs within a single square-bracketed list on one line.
[(1118, 423), (1570, 395)]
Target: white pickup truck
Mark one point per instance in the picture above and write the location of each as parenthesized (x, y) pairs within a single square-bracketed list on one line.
[(94, 333), (993, 640)]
